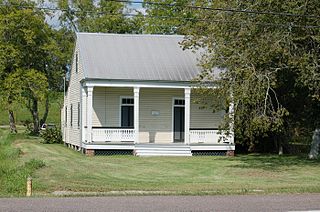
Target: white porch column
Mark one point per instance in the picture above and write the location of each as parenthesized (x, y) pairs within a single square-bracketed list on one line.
[(89, 114), (136, 91), (83, 114), (231, 125), (187, 92)]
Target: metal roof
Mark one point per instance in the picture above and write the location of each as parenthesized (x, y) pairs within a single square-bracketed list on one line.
[(136, 57)]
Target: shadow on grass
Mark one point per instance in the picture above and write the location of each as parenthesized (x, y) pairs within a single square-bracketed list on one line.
[(273, 162)]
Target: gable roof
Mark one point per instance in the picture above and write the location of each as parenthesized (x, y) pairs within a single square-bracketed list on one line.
[(136, 57)]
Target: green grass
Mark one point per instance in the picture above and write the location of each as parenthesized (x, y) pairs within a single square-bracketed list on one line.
[(13, 170), (67, 170), (22, 114)]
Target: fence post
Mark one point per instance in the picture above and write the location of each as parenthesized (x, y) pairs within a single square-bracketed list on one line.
[(29, 186)]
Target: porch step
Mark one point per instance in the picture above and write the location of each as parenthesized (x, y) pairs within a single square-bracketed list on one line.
[(162, 150)]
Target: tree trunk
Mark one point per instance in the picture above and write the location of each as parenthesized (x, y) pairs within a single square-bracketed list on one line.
[(46, 112), (280, 149), (314, 150), (13, 128), (35, 117)]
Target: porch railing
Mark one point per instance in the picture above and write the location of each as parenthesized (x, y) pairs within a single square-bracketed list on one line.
[(207, 136), (113, 135)]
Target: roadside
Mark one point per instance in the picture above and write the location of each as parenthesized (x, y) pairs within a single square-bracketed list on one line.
[(299, 202), (65, 172)]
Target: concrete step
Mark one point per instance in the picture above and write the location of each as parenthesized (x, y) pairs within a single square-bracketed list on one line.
[(162, 154), (163, 149), (150, 150)]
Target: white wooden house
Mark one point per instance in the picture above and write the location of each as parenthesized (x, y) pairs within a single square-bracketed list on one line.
[(133, 93)]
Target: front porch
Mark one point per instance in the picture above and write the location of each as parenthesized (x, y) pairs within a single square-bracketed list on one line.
[(148, 117), (112, 136), (204, 141)]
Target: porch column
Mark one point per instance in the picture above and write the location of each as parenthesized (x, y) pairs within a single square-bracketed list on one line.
[(136, 91), (187, 92), (231, 116), (83, 113), (89, 114)]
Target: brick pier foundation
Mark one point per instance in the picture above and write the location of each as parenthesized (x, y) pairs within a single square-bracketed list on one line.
[(89, 152), (230, 153)]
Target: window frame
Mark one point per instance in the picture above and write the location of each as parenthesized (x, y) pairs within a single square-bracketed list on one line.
[(79, 111), (125, 104), (77, 62), (71, 114), (65, 116)]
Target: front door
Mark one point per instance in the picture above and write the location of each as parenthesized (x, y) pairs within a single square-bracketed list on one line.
[(178, 121), (127, 116), (127, 107)]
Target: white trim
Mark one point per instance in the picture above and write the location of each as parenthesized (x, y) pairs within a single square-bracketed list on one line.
[(213, 147), (136, 94), (106, 147), (83, 96), (172, 114), (106, 83), (89, 113), (231, 116), (120, 105), (132, 147), (187, 97)]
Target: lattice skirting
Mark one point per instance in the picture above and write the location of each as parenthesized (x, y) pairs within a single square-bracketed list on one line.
[(112, 152), (208, 153)]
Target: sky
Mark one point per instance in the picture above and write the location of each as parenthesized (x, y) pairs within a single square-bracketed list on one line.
[(53, 18)]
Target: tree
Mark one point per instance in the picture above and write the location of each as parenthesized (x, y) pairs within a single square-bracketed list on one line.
[(27, 87), (98, 16), (167, 16), (28, 44), (258, 51), (270, 62)]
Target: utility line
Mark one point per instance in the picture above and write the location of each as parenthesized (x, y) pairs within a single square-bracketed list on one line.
[(201, 8), (218, 9), (288, 25)]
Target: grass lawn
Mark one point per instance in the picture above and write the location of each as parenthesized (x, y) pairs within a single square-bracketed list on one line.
[(67, 170), (22, 114)]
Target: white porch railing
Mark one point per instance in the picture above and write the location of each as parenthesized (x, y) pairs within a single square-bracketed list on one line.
[(113, 135), (207, 137)]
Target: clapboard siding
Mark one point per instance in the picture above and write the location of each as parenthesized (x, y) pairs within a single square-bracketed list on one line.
[(157, 129), (106, 105), (204, 118), (73, 97)]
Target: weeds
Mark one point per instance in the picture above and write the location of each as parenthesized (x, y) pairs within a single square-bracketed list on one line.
[(13, 175)]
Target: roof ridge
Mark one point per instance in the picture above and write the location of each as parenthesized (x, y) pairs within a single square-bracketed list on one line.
[(128, 35)]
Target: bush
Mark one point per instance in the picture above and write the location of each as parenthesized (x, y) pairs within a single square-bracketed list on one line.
[(51, 136), (29, 126)]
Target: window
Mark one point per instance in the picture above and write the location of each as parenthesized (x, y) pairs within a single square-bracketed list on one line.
[(77, 62), (179, 102), (78, 114), (127, 105), (71, 115), (66, 116)]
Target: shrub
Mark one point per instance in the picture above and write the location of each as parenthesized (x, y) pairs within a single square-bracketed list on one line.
[(51, 136), (29, 126)]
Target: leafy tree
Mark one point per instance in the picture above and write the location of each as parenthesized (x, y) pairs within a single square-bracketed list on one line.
[(167, 16), (259, 53), (27, 44), (98, 16), (27, 87)]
